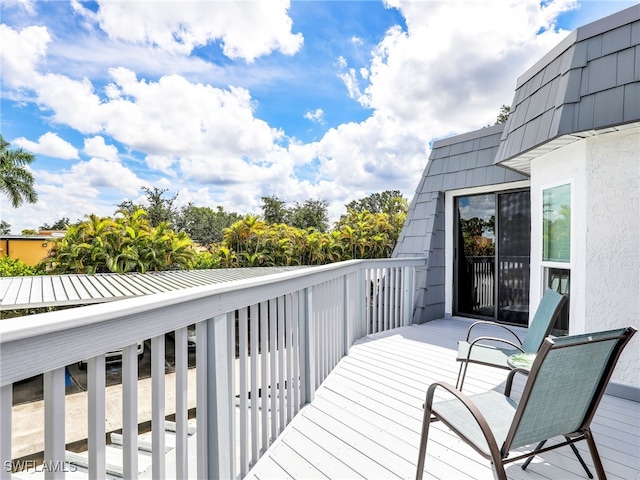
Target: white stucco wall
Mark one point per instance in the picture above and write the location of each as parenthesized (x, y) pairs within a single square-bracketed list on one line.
[(604, 172)]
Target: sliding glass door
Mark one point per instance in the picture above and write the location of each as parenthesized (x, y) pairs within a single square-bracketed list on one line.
[(491, 277)]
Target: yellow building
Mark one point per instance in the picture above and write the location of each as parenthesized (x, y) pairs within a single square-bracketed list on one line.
[(31, 249)]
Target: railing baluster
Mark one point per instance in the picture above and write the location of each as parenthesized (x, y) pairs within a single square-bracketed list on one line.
[(54, 423), (289, 355), (273, 364), (244, 441), (281, 364), (6, 403), (158, 442), (130, 411), (182, 405), (295, 333), (255, 425), (231, 394), (202, 420), (407, 301), (220, 399), (264, 374), (380, 277), (309, 345), (96, 440)]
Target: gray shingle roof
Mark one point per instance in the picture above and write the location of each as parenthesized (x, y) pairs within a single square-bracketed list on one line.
[(587, 84), (463, 161), (57, 290)]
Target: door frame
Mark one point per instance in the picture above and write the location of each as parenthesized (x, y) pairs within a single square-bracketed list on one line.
[(450, 230)]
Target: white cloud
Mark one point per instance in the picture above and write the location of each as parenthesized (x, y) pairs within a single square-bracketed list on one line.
[(21, 53), (50, 145), (96, 147), (98, 173), (162, 163), (316, 116), (179, 27), (449, 72)]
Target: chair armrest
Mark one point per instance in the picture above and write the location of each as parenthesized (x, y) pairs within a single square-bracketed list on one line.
[(501, 340), (509, 383), (494, 324), (469, 405)]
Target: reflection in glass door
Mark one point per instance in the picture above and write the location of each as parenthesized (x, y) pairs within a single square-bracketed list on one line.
[(492, 258), (475, 258)]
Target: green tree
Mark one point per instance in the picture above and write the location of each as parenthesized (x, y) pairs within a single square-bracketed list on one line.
[(503, 116), (204, 225), (274, 210), (311, 214), (5, 228), (14, 267), (61, 224), (127, 243), (159, 208), (391, 202), (16, 181)]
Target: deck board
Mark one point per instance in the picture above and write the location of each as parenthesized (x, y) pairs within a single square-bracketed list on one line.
[(365, 419)]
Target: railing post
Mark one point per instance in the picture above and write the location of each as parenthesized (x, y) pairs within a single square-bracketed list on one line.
[(202, 447), (158, 440), (346, 313), (309, 345), (6, 403), (361, 303), (130, 411), (408, 293), (96, 384), (182, 405), (220, 404), (54, 423)]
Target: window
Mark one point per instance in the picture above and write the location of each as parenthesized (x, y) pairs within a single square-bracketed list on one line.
[(556, 224), (556, 247)]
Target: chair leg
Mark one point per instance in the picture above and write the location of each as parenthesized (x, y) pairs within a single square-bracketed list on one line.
[(528, 461), (424, 436), (584, 465), (461, 374), (597, 463), (498, 468), (573, 447)]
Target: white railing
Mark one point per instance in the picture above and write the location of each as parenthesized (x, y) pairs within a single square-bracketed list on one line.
[(263, 347)]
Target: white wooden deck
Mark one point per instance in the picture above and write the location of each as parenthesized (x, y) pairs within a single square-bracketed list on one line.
[(366, 417)]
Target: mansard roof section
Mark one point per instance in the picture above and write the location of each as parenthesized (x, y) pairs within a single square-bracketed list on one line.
[(587, 85), (462, 161)]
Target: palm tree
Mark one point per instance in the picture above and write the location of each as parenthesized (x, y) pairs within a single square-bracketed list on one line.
[(15, 180)]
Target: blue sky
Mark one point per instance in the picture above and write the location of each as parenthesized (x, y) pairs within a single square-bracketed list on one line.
[(225, 102)]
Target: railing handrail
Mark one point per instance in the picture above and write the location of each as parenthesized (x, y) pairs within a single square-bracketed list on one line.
[(43, 342)]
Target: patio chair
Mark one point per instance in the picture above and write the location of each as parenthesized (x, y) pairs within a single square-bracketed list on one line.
[(559, 399), (478, 351)]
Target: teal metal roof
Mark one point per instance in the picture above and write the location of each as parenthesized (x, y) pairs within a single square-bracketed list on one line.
[(57, 290)]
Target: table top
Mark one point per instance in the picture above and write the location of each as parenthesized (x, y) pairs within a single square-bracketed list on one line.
[(521, 360)]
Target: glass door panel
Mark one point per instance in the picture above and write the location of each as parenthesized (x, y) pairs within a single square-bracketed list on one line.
[(475, 256), (514, 245)]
